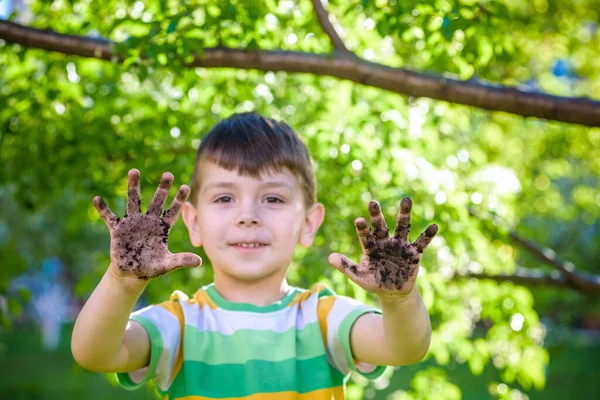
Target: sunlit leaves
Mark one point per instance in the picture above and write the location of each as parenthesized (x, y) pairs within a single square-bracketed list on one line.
[(72, 127), (429, 384)]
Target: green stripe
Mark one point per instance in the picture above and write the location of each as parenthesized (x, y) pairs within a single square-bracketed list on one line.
[(344, 337), (212, 347), (156, 346), (239, 380)]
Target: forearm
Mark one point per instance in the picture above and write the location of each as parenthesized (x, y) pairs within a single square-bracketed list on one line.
[(407, 326), (101, 324)]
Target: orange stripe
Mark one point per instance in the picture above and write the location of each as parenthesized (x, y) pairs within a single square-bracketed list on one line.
[(317, 287), (324, 307), (174, 308), (202, 298), (336, 393), (178, 295), (300, 297)]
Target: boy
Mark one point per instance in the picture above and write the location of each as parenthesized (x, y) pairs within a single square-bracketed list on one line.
[(249, 334)]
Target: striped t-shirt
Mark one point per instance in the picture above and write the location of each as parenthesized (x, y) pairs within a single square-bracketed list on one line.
[(209, 348)]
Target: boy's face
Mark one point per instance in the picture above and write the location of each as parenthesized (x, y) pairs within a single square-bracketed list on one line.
[(250, 227)]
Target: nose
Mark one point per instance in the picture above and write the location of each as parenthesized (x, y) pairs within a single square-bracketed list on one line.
[(248, 216), (247, 220)]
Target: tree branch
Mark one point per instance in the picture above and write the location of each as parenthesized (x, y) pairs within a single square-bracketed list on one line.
[(577, 279), (398, 80), (548, 256), (537, 278), (328, 28), (525, 277)]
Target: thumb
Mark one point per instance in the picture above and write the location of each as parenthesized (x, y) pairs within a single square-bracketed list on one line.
[(181, 260), (344, 265)]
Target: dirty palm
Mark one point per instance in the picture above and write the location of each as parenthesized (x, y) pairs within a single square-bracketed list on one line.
[(139, 241), (389, 264)]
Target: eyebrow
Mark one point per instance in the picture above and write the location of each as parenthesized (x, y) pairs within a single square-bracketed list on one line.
[(272, 184)]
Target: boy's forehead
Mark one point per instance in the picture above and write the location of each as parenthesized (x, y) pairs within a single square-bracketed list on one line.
[(212, 174)]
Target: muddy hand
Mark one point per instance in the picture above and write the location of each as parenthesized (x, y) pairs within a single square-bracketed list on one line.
[(388, 264), (138, 245)]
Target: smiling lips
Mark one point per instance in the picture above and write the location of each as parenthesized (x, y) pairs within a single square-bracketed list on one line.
[(248, 245)]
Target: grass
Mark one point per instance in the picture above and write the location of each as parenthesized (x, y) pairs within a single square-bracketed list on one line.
[(29, 372)]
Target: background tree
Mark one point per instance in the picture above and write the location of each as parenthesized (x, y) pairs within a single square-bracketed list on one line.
[(138, 85)]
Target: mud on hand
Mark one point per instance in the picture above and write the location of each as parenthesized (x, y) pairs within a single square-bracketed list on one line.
[(138, 245), (389, 264)]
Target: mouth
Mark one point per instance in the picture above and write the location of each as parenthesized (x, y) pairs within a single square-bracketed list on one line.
[(248, 245)]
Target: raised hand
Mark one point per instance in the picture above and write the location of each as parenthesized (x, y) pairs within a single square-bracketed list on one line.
[(389, 265), (138, 245)]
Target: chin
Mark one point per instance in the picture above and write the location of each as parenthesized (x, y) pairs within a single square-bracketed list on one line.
[(250, 272)]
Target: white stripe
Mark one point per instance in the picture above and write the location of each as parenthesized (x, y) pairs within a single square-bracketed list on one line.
[(168, 326), (228, 322), (342, 306)]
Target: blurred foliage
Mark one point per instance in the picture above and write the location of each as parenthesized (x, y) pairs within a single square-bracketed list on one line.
[(71, 128)]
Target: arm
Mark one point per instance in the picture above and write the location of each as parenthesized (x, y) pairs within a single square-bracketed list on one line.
[(103, 340), (389, 268), (401, 336)]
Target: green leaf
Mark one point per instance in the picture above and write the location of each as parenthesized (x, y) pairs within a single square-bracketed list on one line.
[(485, 50), (172, 26), (162, 59)]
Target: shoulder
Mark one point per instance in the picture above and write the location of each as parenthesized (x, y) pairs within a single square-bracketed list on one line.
[(335, 307), (182, 307), (174, 300), (180, 304), (327, 297), (322, 289), (324, 299), (312, 295), (169, 308), (179, 300)]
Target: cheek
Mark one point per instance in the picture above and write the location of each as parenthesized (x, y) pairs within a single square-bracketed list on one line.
[(211, 226), (287, 226)]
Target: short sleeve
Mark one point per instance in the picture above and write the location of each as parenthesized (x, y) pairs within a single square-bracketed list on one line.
[(164, 324), (337, 314)]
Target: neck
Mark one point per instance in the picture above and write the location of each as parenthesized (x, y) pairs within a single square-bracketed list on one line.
[(258, 292)]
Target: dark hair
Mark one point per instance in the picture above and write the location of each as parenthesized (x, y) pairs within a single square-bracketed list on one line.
[(253, 144)]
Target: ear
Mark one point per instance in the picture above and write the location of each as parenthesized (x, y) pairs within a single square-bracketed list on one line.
[(312, 222), (190, 219)]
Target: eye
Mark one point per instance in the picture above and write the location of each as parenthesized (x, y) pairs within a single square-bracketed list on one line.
[(273, 199), (223, 199)]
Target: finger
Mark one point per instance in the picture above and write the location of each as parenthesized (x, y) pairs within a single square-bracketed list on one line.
[(133, 193), (170, 215), (161, 194), (367, 240), (403, 220), (380, 229), (181, 260), (423, 241), (344, 265), (107, 215)]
